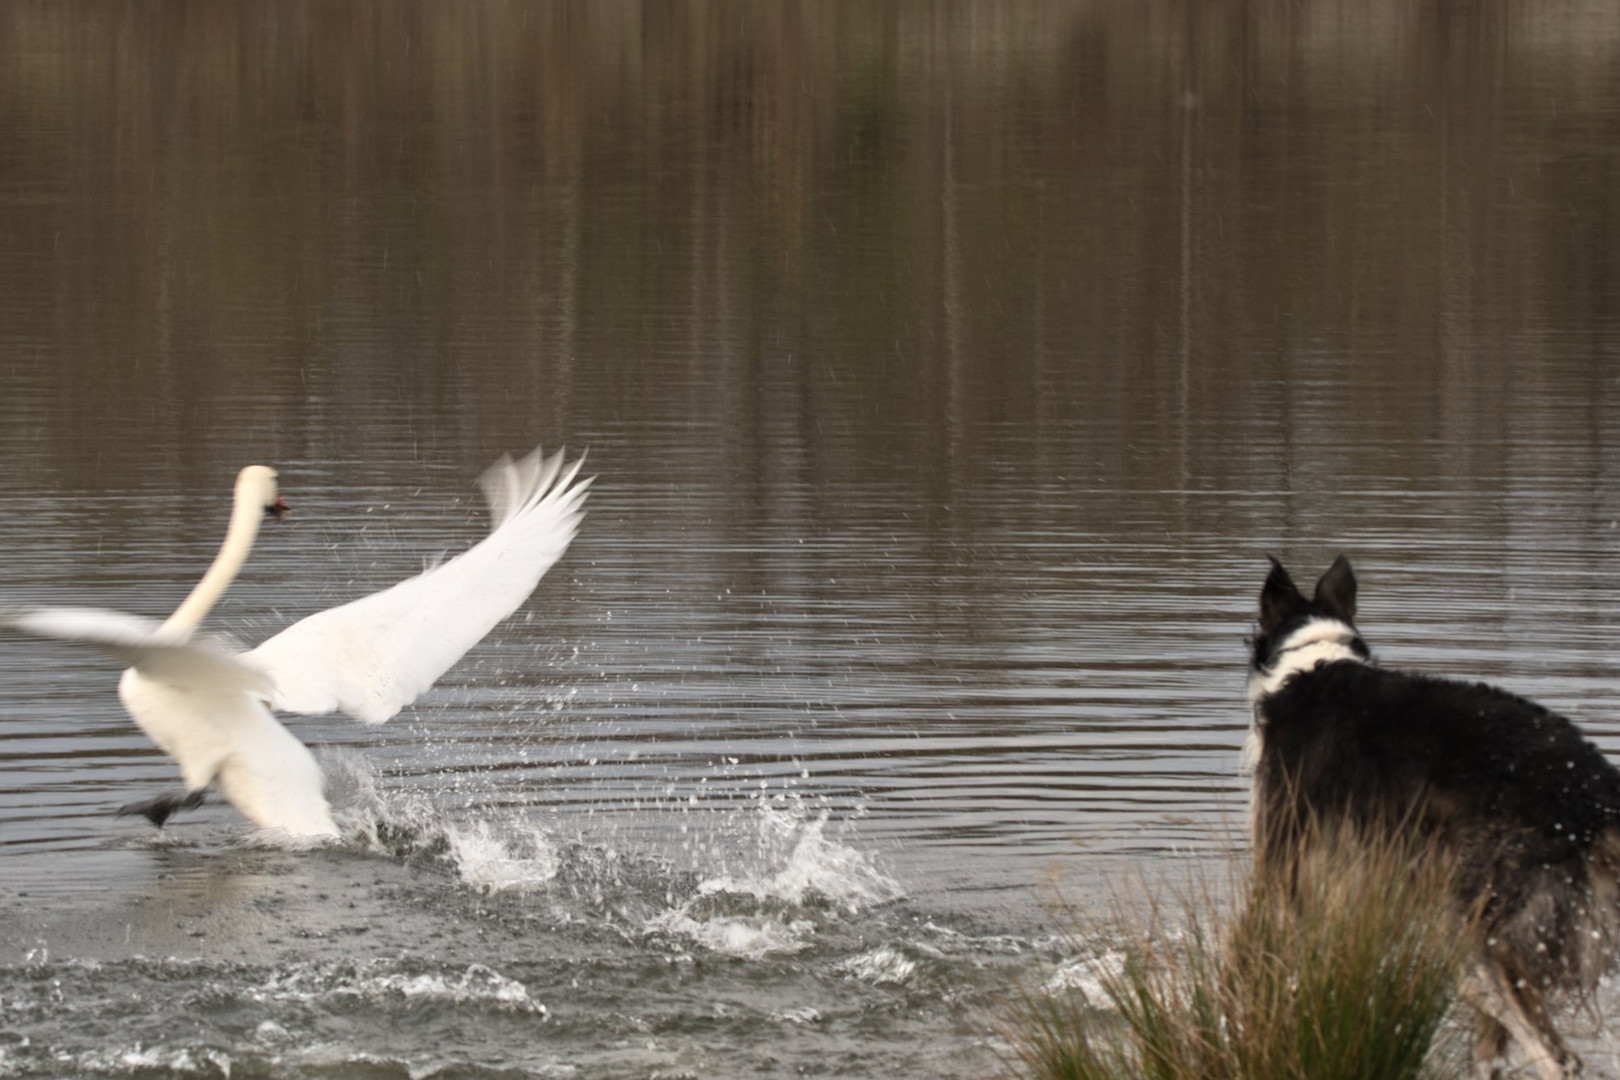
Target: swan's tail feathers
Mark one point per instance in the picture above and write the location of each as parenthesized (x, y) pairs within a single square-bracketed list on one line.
[(158, 810), (203, 663)]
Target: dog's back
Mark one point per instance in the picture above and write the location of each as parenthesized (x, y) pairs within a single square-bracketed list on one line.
[(1520, 800), (1527, 809)]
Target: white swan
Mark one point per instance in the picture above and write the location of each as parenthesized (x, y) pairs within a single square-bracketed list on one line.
[(208, 706)]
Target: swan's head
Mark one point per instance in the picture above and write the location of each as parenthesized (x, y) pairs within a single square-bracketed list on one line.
[(256, 486)]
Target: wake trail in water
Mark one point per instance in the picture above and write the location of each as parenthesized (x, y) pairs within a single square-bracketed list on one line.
[(735, 935), (770, 870)]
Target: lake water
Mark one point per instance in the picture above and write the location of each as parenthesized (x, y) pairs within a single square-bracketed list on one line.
[(948, 372)]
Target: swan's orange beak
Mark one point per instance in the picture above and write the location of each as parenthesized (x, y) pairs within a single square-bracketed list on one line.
[(278, 509)]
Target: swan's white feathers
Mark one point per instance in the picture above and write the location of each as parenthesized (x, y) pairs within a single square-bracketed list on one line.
[(509, 485), (374, 656), (230, 740), (207, 664), (204, 702)]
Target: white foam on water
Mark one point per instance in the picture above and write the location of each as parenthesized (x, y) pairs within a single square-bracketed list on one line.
[(138, 1057), (271, 1032), (801, 1015), (884, 964), (1086, 976), (494, 860), (476, 985), (747, 936)]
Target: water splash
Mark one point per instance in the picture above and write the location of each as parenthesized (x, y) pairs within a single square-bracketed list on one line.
[(800, 864), (496, 859), (774, 898), (489, 853), (883, 965), (371, 981), (139, 1058), (749, 935), (1086, 976)]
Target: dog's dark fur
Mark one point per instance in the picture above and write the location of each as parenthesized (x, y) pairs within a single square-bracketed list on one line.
[(1528, 809)]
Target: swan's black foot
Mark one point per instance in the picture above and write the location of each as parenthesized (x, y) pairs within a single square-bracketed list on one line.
[(157, 810)]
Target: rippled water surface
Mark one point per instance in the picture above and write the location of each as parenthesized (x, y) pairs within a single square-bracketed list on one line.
[(948, 372)]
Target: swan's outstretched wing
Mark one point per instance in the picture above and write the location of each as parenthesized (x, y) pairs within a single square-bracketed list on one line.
[(195, 664), (374, 656)]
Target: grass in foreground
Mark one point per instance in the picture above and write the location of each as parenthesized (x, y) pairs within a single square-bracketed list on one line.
[(1354, 979)]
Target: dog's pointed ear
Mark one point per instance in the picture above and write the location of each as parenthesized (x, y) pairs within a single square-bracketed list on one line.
[(1336, 592), (1278, 597)]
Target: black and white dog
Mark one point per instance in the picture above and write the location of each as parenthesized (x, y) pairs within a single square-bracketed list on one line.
[(1526, 806)]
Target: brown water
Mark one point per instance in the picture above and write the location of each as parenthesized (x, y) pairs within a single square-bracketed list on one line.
[(948, 371)]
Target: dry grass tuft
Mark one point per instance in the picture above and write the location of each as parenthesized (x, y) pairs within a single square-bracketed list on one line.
[(1346, 970)]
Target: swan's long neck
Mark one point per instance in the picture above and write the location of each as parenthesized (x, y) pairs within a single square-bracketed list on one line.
[(244, 528)]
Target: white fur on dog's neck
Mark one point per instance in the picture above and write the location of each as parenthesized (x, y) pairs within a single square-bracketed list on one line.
[(1319, 641)]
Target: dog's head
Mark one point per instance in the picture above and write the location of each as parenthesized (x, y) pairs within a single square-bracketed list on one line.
[(1288, 621)]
